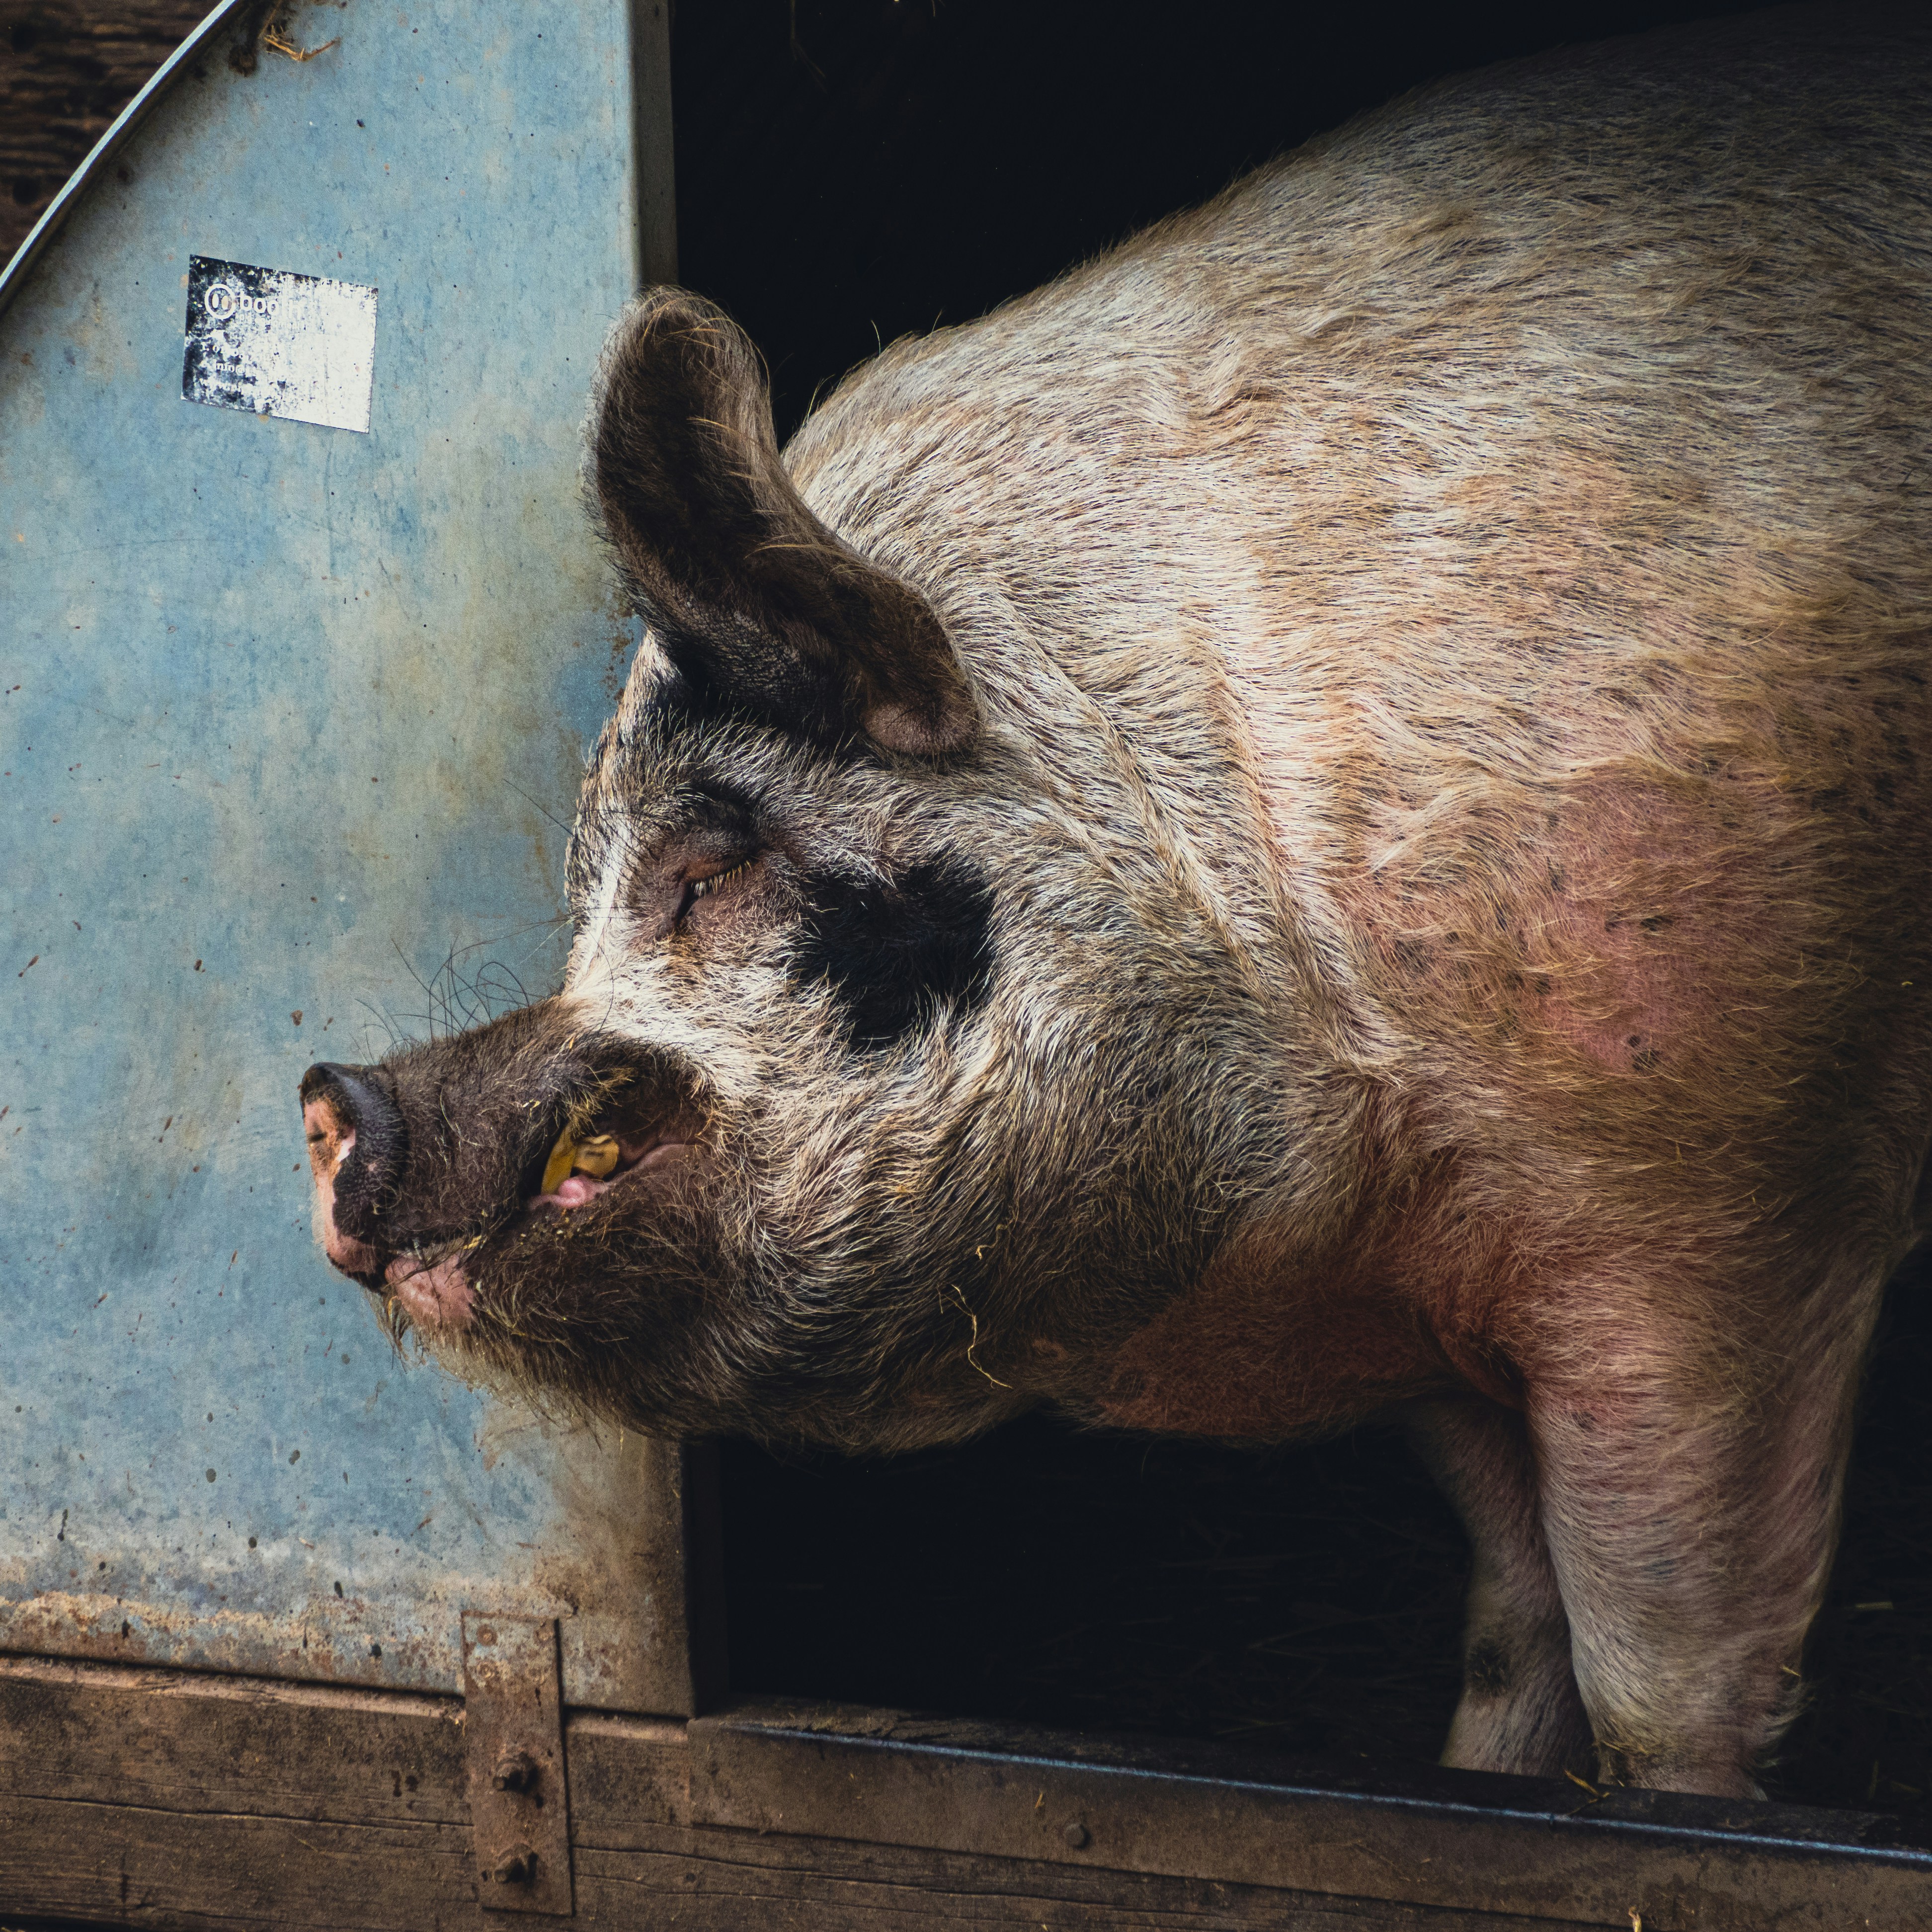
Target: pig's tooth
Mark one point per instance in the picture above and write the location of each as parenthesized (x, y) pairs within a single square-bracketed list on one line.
[(597, 1156), (562, 1156)]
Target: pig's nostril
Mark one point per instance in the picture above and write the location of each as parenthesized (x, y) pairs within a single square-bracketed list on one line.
[(360, 1106), (345, 1086)]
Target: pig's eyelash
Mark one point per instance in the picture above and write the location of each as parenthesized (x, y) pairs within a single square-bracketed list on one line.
[(699, 887), (695, 890)]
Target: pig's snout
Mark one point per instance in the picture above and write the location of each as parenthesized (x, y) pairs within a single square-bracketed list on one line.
[(356, 1147)]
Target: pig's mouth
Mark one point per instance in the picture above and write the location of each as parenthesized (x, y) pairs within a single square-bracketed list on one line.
[(433, 1278), (431, 1287), (601, 1163)]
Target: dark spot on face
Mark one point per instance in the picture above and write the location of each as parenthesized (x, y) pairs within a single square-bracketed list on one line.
[(894, 954), (1486, 1669), (1650, 922)]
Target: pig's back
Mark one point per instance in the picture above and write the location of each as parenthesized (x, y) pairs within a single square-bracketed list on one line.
[(1530, 479)]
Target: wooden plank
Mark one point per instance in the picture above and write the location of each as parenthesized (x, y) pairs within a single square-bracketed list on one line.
[(66, 70), (119, 1865), (630, 1829), (697, 1880), (187, 1742), (164, 1797), (128, 1864), (1422, 1836), (172, 1799)]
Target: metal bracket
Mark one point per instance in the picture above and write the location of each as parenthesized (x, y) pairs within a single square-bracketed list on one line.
[(519, 1801)]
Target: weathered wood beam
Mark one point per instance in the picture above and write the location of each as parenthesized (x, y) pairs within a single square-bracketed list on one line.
[(173, 1799), (1418, 1835)]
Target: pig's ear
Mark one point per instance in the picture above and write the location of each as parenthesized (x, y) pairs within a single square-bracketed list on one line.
[(751, 595)]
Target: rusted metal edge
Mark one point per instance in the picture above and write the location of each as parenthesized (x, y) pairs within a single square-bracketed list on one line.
[(1422, 1837), (83, 1675), (13, 276), (170, 1680)]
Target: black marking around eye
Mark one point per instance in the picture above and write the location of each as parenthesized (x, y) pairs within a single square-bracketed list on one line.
[(894, 954)]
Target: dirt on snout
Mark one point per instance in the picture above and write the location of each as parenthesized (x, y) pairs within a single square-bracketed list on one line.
[(1307, 1599)]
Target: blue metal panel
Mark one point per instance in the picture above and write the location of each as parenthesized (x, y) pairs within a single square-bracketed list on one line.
[(292, 715)]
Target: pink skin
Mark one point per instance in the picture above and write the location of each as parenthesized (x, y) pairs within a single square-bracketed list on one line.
[(438, 1294), (329, 1146), (437, 1297)]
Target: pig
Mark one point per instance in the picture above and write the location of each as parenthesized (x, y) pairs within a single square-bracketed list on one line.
[(1328, 817)]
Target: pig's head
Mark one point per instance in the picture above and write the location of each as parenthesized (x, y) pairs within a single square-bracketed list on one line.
[(891, 1085)]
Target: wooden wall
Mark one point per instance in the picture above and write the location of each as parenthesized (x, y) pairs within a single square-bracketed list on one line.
[(67, 68)]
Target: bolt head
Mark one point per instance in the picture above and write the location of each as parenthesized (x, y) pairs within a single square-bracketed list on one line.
[(518, 1866), (515, 1772), (1077, 1836)]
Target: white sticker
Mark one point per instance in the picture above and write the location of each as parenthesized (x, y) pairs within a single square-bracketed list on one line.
[(276, 343)]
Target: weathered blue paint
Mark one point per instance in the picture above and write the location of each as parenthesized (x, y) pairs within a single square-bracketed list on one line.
[(292, 718)]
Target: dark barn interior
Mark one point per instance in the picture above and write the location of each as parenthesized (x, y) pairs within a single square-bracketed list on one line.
[(857, 170), (849, 171)]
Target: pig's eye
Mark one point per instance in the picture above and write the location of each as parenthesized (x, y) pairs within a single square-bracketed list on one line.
[(695, 890)]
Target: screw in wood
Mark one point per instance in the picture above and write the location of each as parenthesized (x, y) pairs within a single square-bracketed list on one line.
[(518, 1866), (515, 1772), (1077, 1835)]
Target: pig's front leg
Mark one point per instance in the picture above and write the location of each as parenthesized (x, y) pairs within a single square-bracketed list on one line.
[(1519, 1710), (1690, 1501)]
